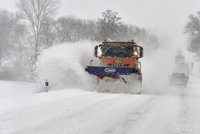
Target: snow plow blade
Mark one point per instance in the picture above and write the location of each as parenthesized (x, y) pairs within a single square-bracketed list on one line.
[(95, 70)]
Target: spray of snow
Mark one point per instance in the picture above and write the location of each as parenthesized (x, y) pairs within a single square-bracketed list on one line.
[(158, 67), (125, 84), (63, 65)]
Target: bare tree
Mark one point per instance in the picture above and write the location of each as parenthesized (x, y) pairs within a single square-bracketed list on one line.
[(71, 29), (36, 12), (49, 33), (108, 24), (6, 26), (192, 29), (12, 46)]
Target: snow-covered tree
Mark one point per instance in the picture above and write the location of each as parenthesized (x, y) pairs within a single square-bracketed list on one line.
[(71, 29), (192, 29), (108, 24), (13, 49), (6, 27), (48, 36), (36, 12)]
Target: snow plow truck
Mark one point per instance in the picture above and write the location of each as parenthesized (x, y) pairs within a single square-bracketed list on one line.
[(118, 69), (180, 74)]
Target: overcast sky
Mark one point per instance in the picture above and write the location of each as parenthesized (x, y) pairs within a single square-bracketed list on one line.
[(166, 16)]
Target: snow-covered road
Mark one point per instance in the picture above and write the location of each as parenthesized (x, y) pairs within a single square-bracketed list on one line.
[(168, 111)]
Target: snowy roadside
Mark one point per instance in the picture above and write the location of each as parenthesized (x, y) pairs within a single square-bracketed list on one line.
[(16, 95), (19, 102)]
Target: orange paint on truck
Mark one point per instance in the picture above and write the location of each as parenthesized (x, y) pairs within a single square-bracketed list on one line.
[(127, 62)]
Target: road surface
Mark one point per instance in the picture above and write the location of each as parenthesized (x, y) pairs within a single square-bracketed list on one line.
[(167, 111)]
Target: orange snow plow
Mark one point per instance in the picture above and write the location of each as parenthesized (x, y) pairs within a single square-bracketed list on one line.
[(118, 60)]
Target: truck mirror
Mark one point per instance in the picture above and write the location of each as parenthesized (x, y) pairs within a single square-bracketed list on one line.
[(138, 51), (95, 51), (141, 52)]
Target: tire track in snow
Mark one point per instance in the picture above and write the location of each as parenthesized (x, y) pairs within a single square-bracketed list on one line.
[(48, 111), (14, 113), (183, 124), (69, 122), (94, 119), (132, 117)]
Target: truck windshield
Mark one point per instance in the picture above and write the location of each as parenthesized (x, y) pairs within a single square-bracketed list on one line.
[(117, 51)]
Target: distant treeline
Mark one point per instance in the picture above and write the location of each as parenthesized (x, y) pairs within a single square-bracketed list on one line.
[(21, 41)]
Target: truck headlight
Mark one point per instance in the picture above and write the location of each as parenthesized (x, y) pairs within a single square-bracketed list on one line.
[(135, 53), (99, 53)]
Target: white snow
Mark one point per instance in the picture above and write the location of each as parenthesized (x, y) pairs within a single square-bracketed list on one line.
[(69, 108), (63, 65), (76, 111), (181, 68)]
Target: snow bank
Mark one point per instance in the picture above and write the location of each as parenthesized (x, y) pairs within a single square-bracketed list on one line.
[(12, 88), (63, 65)]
